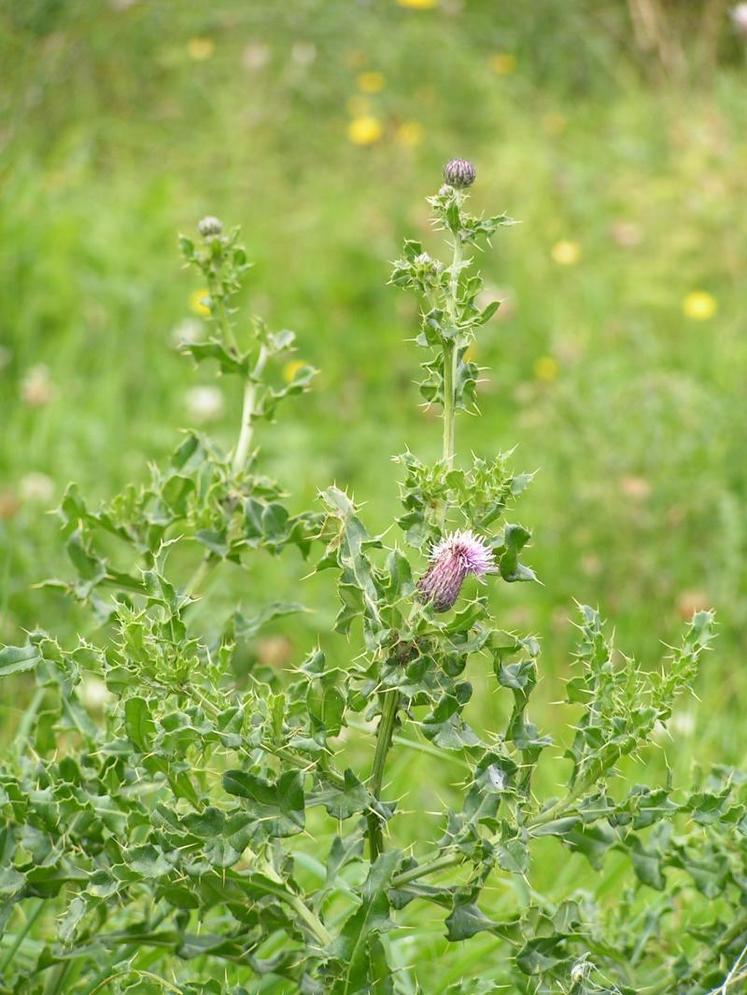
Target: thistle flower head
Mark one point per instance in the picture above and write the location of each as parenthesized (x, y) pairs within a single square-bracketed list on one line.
[(209, 226), (459, 173), (455, 556)]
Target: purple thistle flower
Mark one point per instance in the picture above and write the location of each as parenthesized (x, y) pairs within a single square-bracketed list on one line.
[(455, 556)]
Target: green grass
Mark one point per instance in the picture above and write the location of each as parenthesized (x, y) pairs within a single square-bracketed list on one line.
[(113, 138)]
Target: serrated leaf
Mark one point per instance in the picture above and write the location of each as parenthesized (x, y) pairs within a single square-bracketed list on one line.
[(17, 659), (139, 724), (278, 809), (466, 920)]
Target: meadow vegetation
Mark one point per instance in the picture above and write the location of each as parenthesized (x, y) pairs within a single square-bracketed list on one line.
[(616, 364)]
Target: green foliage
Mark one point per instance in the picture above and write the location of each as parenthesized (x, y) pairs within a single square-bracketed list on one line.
[(450, 316), (200, 818)]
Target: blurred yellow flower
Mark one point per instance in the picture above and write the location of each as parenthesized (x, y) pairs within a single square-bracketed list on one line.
[(291, 369), (197, 303), (546, 368), (502, 63), (370, 82), (200, 49), (566, 253), (365, 130), (418, 4), (700, 305), (410, 133)]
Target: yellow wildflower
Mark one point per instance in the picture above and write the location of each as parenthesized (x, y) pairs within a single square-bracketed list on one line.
[(410, 133), (418, 4), (197, 302), (546, 368), (566, 253), (370, 82), (365, 130), (200, 49), (700, 305), (291, 369), (502, 63)]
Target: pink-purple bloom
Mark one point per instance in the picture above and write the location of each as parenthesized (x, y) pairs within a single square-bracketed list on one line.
[(455, 556)]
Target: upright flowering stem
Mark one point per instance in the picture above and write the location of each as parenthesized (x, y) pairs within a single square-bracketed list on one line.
[(247, 414), (459, 174), (448, 412), (214, 262), (450, 359), (240, 456), (218, 309)]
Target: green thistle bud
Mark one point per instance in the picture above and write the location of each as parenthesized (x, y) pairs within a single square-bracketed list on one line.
[(459, 173), (209, 226)]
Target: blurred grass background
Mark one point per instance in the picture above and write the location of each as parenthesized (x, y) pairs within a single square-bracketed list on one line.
[(618, 362), (615, 130)]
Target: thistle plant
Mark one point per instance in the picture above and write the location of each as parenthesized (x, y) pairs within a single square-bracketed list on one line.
[(211, 832)]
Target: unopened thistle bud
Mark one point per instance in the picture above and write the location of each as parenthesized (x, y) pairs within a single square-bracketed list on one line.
[(426, 267), (455, 556), (209, 226), (459, 173)]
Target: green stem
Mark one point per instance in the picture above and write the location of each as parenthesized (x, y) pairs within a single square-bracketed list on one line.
[(105, 973), (247, 414), (449, 403), (315, 924), (166, 940), (450, 356), (558, 808), (140, 974), (389, 704), (412, 744), (450, 360), (194, 583), (450, 860), (240, 455), (422, 870), (56, 978), (8, 958), (24, 727), (218, 309)]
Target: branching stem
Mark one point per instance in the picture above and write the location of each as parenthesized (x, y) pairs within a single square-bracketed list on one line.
[(240, 456), (423, 870)]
